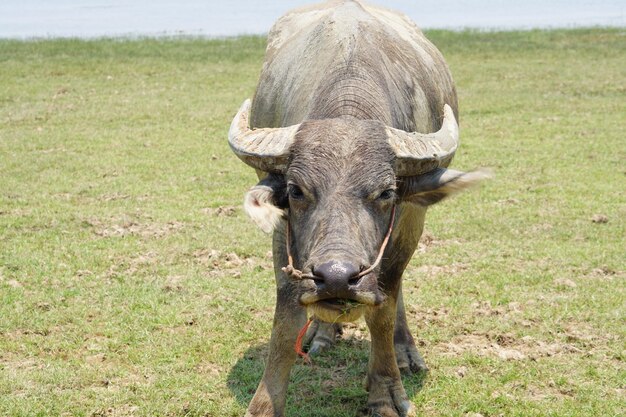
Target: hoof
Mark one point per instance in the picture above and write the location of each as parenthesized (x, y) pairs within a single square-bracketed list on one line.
[(321, 336), (409, 359)]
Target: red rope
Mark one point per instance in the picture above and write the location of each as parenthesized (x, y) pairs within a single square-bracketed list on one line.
[(298, 345), (297, 274)]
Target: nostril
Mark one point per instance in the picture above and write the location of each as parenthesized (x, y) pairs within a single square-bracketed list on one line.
[(354, 280), (317, 278)]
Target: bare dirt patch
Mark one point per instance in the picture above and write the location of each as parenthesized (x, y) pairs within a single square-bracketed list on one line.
[(209, 368), (121, 411), (174, 283), (599, 218), (508, 202), (222, 211), (428, 316), (605, 272), (14, 283), (505, 347), (355, 332), (113, 197), (131, 266), (223, 263), (434, 270), (565, 283), (548, 392), (13, 363), (428, 241), (121, 227)]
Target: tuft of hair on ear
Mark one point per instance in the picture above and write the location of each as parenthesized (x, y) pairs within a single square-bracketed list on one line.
[(259, 204), (466, 180), (430, 188)]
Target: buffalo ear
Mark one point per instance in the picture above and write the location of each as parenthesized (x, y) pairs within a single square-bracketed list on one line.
[(267, 202), (434, 186)]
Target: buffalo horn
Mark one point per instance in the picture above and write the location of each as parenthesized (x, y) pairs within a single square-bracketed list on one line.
[(266, 149), (418, 153)]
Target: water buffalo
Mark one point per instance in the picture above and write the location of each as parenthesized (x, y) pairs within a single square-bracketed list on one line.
[(339, 132)]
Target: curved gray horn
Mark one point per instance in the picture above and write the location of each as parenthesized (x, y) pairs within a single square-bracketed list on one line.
[(418, 153), (266, 149)]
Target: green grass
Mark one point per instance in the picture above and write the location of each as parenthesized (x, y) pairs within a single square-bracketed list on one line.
[(131, 282)]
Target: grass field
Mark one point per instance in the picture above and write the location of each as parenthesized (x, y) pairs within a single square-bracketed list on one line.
[(132, 284)]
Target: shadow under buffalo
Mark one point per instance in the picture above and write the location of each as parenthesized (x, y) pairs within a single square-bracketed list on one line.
[(331, 386)]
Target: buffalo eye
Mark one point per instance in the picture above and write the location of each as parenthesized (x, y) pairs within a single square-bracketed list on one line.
[(295, 192), (387, 195)]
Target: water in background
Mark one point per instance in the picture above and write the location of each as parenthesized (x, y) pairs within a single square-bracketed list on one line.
[(95, 18)]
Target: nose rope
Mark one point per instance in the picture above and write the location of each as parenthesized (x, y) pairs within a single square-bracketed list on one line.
[(294, 273), (297, 274), (382, 246), (289, 269)]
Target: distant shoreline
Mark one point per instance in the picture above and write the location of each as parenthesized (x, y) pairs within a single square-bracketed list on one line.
[(93, 19), (190, 36)]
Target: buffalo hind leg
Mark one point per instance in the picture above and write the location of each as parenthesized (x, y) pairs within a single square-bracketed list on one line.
[(387, 397), (321, 335), (408, 358)]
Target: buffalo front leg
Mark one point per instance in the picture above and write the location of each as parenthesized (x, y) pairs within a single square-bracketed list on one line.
[(387, 397), (289, 317), (408, 358)]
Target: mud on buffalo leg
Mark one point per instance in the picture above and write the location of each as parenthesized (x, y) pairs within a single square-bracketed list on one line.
[(408, 358)]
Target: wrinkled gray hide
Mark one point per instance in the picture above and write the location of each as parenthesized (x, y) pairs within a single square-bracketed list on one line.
[(354, 114)]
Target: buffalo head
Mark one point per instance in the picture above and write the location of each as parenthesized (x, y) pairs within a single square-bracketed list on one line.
[(336, 182)]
